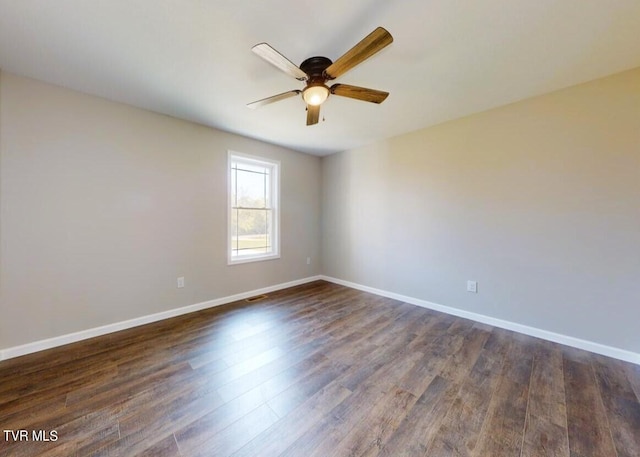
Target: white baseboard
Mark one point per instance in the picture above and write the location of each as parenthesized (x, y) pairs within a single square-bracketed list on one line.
[(61, 340), (590, 346)]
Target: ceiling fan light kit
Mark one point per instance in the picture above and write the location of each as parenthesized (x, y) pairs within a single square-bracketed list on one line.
[(316, 71), (315, 95)]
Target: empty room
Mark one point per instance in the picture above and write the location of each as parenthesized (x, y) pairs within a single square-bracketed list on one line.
[(320, 229)]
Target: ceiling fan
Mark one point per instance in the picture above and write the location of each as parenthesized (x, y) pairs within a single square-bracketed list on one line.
[(316, 71)]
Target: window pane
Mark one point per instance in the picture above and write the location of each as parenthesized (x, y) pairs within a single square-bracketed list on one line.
[(253, 236), (252, 222), (251, 189)]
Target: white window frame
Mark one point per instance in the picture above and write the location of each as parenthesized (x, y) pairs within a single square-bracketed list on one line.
[(274, 190)]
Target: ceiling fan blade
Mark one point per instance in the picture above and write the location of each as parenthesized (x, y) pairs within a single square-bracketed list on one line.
[(273, 98), (372, 43), (279, 61), (313, 114), (359, 93)]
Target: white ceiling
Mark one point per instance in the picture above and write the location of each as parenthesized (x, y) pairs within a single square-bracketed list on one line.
[(192, 59)]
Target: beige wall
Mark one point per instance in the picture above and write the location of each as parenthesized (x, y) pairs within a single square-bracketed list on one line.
[(103, 206), (538, 201)]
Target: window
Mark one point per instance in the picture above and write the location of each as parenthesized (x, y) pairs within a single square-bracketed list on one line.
[(253, 209)]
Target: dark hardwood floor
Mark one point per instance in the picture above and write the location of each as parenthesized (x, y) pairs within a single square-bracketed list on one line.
[(319, 370)]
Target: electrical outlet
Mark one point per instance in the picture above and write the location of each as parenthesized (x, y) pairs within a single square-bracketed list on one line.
[(180, 282), (472, 286), (308, 260)]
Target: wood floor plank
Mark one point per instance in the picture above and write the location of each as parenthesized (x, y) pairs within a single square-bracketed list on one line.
[(419, 429), (372, 359), (295, 387), (588, 427), (336, 425), (505, 421), (236, 435), (545, 433), (277, 438), (633, 376), (181, 412), (435, 359), (621, 405), (166, 447), (461, 427), (202, 429), (92, 439), (302, 361), (375, 429), (238, 351), (124, 385), (420, 426), (287, 400), (319, 370), (462, 361)]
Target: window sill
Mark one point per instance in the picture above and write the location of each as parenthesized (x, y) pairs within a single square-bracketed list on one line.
[(248, 259)]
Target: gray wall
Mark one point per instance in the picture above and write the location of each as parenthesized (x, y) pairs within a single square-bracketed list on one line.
[(103, 206), (538, 201)]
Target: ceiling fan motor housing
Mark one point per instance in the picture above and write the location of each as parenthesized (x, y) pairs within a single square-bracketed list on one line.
[(314, 67)]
